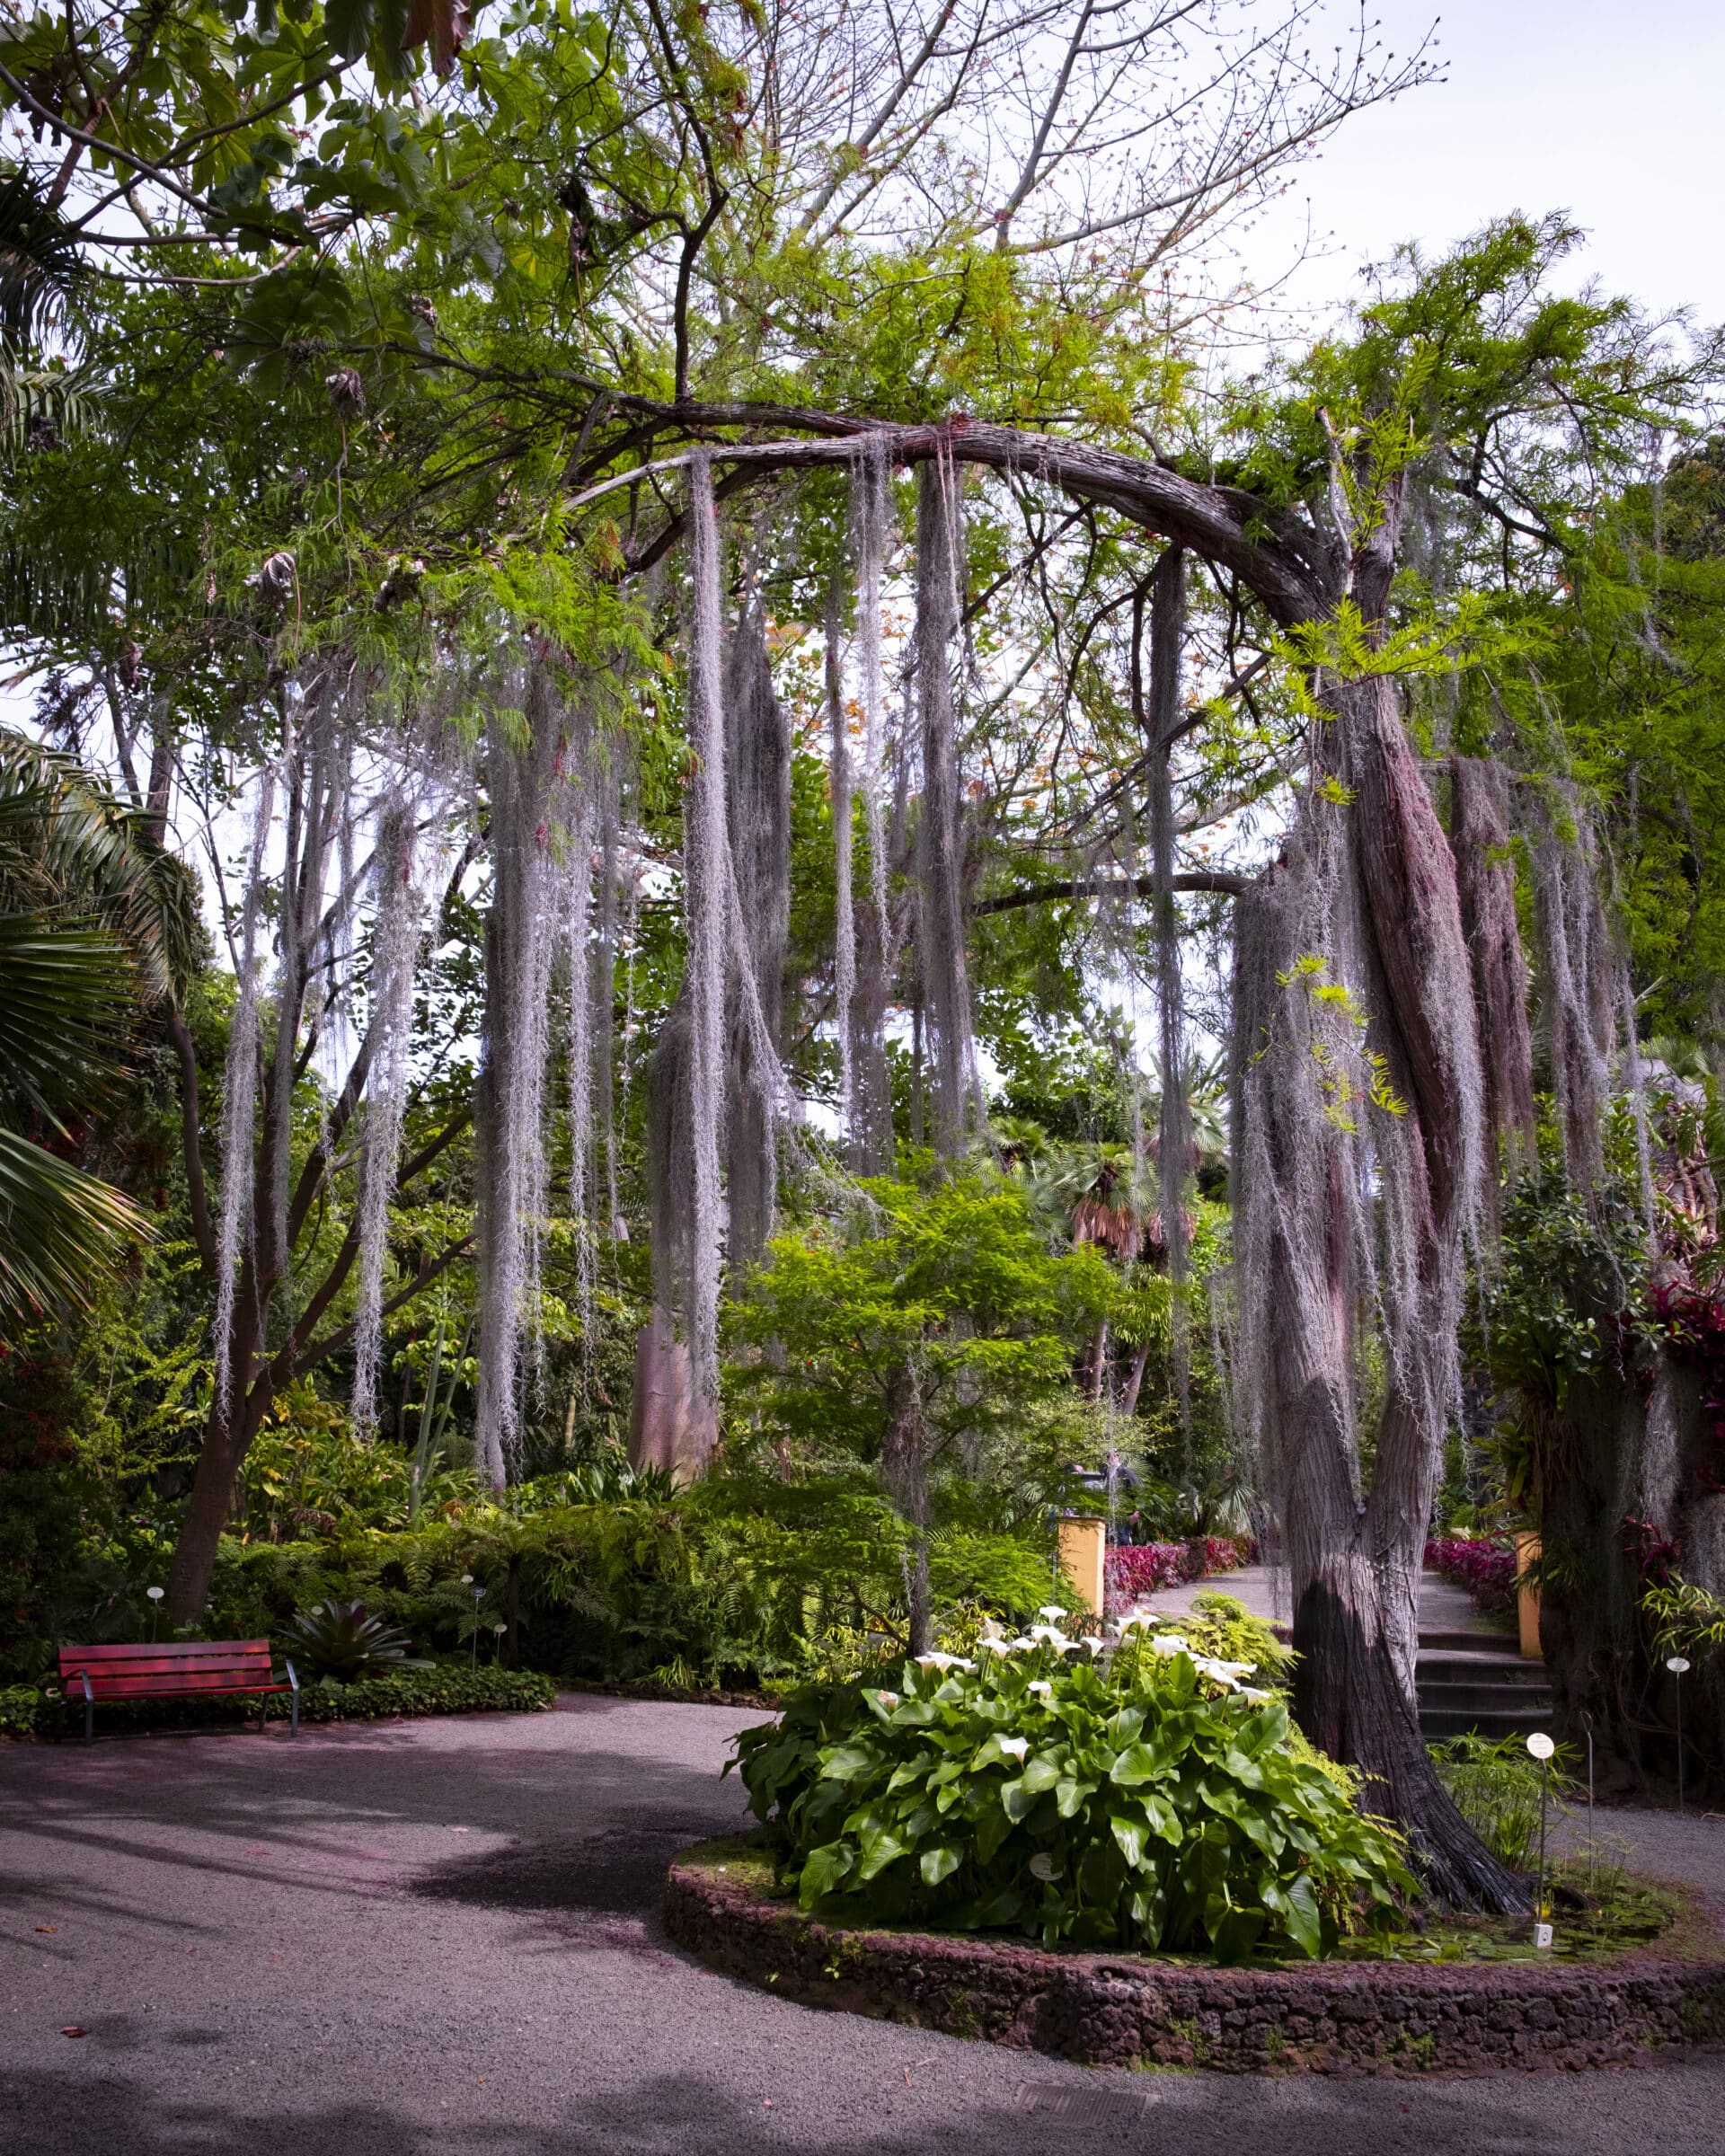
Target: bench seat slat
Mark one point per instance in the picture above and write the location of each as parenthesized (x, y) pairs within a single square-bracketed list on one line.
[(164, 1650), (148, 1666), (142, 1688), (174, 1666)]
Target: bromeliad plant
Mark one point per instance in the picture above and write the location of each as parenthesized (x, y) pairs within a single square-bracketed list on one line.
[(339, 1643), (1139, 1795)]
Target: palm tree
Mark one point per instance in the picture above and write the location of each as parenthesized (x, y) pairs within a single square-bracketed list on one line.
[(93, 920)]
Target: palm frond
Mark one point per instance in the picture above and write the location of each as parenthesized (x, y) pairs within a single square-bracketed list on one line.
[(61, 1234), (65, 841), (67, 989)]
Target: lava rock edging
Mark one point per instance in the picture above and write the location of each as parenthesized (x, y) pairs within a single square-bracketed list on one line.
[(1125, 2009)]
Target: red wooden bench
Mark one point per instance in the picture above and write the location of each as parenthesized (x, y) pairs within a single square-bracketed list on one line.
[(176, 1670)]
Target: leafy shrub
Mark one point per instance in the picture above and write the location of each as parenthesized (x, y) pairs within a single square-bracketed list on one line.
[(338, 1643), (1495, 1784), (1138, 1568), (1141, 1797), (1486, 1569)]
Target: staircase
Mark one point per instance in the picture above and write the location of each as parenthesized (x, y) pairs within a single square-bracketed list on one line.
[(1478, 1681)]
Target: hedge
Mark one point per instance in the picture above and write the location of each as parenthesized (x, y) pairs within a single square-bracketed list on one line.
[(449, 1690)]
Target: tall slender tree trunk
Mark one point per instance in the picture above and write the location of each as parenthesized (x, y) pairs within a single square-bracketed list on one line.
[(903, 1472)]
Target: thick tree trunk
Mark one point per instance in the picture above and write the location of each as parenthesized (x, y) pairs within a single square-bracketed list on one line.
[(672, 1423)]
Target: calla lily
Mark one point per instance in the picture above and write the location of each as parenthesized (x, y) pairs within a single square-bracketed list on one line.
[(888, 1699), (1170, 1643), (1016, 1745), (1095, 1642), (1251, 1693), (1050, 1610), (938, 1661), (1042, 1689)]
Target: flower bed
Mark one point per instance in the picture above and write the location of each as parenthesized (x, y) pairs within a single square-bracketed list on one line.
[(1116, 2009), (441, 1690), (1138, 1568), (1487, 1569)]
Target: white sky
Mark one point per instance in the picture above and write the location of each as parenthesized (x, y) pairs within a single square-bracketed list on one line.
[(1610, 111)]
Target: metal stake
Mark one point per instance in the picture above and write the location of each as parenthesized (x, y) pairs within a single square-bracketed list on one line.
[(1676, 1665), (1542, 1748)]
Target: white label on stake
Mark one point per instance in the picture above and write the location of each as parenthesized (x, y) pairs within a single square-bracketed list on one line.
[(1542, 1935)]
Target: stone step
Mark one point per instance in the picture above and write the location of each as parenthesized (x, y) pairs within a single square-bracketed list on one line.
[(1494, 1722), (1505, 1698), (1454, 1665), (1504, 1645)]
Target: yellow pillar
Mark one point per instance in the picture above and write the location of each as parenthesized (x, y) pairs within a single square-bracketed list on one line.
[(1083, 1544), (1527, 1597)]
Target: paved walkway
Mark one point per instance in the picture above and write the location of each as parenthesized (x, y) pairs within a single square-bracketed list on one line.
[(440, 1938), (1443, 1607)]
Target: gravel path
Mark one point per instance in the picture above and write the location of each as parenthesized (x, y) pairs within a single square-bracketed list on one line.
[(439, 1938)]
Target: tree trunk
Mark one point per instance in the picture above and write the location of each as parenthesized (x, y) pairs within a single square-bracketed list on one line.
[(903, 1472), (672, 1424), (871, 1148)]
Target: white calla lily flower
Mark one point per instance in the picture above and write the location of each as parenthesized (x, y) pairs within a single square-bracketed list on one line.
[(1050, 1610), (1170, 1643), (1017, 1746), (1041, 1687)]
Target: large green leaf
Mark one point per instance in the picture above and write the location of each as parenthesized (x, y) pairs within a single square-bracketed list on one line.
[(61, 1234)]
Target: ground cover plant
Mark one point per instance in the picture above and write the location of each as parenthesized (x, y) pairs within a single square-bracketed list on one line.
[(1143, 1794)]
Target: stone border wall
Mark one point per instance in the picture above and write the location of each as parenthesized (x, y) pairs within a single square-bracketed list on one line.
[(1348, 2018)]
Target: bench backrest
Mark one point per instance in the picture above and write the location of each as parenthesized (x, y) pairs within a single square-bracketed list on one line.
[(138, 1671)]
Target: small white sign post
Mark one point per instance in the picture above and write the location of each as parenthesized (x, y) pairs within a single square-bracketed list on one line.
[(1676, 1665), (1542, 1747)]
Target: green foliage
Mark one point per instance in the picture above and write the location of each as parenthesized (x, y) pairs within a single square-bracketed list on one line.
[(1495, 1784), (1142, 1801), (952, 1283), (338, 1643), (1685, 1619)]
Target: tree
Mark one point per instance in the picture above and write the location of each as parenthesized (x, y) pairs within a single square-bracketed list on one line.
[(931, 1325), (1473, 376)]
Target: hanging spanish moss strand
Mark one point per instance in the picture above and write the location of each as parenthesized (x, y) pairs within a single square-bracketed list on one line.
[(240, 1080), (871, 540), (757, 771), (583, 1179), (1301, 1239), (509, 1134), (398, 923), (707, 904), (273, 1229), (1174, 1134), (844, 921), (1578, 1000), (945, 975), (1485, 879), (604, 986)]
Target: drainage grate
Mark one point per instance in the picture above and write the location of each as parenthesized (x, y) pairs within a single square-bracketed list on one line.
[(1067, 2104)]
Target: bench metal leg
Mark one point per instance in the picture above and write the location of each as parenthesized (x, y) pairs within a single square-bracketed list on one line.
[(89, 1710), (293, 1678)]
